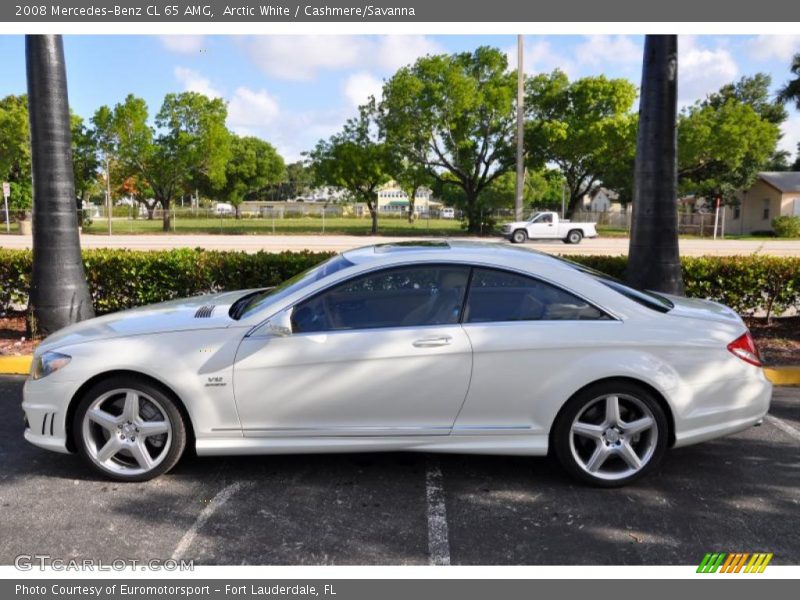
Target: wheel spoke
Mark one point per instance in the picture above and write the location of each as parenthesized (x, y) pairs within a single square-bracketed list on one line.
[(587, 430), (141, 454), (637, 426), (131, 410), (612, 411), (109, 449), (148, 428), (597, 459), (106, 420), (629, 455)]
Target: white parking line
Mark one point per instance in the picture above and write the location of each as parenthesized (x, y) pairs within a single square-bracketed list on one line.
[(784, 426), (438, 542), (216, 502)]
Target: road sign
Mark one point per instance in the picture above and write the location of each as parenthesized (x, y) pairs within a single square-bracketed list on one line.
[(6, 189)]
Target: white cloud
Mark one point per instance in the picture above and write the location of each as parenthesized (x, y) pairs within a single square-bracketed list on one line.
[(395, 51), (604, 49), (358, 87), (250, 110), (193, 81), (183, 44), (303, 57), (781, 47), (540, 57), (791, 135), (702, 70)]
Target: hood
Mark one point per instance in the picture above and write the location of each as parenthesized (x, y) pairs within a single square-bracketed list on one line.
[(184, 314), (695, 308)]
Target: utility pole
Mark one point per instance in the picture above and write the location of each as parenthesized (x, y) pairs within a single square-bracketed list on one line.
[(108, 193), (518, 199)]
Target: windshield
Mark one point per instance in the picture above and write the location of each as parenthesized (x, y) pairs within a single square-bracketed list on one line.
[(254, 302), (646, 298)]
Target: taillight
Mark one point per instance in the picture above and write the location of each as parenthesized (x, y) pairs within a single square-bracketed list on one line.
[(745, 348)]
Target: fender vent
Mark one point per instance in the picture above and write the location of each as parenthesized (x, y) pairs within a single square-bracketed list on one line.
[(204, 312)]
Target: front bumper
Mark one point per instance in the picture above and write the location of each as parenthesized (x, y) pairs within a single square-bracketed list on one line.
[(45, 407)]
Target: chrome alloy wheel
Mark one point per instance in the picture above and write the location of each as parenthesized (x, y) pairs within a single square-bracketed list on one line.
[(613, 436), (127, 432)]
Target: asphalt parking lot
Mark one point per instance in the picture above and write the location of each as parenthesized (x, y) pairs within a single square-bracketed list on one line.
[(740, 493)]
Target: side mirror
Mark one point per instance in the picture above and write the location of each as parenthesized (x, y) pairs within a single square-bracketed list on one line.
[(279, 325)]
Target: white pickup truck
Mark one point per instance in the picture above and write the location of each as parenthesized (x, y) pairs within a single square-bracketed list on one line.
[(548, 226)]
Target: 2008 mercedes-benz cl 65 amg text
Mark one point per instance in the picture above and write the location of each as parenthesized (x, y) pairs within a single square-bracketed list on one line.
[(437, 347)]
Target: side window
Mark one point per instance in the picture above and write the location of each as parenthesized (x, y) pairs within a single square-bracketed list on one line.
[(398, 297), (502, 296)]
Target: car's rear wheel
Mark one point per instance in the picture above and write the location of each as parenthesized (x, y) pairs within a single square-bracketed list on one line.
[(129, 430), (574, 237), (519, 236), (611, 434)]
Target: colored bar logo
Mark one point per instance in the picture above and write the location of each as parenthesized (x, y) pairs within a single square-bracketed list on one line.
[(737, 562)]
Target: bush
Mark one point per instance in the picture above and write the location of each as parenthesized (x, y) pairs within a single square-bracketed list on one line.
[(120, 279), (786, 226)]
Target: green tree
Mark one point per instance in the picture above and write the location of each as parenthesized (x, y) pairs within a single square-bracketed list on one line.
[(253, 165), (584, 127), (654, 260), (84, 159), (59, 293), (721, 148), (15, 151), (454, 114), (791, 91), (542, 190), (355, 159), (189, 141)]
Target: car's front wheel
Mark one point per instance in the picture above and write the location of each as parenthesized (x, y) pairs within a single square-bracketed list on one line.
[(129, 429), (519, 236), (611, 434)]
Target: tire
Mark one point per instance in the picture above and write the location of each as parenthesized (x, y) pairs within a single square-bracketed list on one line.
[(128, 429), (595, 449), (574, 236), (519, 236)]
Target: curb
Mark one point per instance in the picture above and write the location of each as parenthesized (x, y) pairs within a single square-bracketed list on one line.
[(21, 365), (15, 365)]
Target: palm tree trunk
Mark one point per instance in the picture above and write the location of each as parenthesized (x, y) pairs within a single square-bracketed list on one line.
[(59, 292), (654, 261)]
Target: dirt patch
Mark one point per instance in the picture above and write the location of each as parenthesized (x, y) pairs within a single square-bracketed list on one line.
[(13, 339), (778, 341)]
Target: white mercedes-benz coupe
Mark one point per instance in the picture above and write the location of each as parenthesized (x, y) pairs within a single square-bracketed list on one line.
[(432, 347)]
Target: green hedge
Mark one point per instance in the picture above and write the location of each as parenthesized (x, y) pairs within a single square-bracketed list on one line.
[(122, 278), (786, 226)]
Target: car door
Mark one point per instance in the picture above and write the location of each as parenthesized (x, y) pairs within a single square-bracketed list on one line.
[(528, 339), (380, 354), (542, 227)]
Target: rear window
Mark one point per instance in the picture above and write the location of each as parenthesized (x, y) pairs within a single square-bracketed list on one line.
[(651, 300)]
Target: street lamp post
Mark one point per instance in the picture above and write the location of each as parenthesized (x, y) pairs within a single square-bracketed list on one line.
[(518, 199)]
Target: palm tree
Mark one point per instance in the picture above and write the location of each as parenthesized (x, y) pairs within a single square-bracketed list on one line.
[(59, 293), (791, 91), (654, 262)]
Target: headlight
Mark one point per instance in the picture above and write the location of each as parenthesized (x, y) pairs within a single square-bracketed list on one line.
[(47, 363)]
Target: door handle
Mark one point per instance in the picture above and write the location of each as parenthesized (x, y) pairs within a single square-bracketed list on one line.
[(433, 342)]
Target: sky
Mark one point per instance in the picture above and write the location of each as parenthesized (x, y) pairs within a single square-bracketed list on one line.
[(296, 89)]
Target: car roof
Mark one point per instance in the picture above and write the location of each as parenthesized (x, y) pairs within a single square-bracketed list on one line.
[(496, 253)]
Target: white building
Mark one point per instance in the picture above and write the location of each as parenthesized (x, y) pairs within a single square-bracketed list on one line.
[(392, 199)]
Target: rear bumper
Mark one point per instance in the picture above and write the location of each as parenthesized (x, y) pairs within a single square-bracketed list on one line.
[(724, 408)]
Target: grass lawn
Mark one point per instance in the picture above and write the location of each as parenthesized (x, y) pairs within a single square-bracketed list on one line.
[(300, 225)]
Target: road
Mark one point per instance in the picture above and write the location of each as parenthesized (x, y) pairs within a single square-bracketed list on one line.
[(339, 243), (741, 493)]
